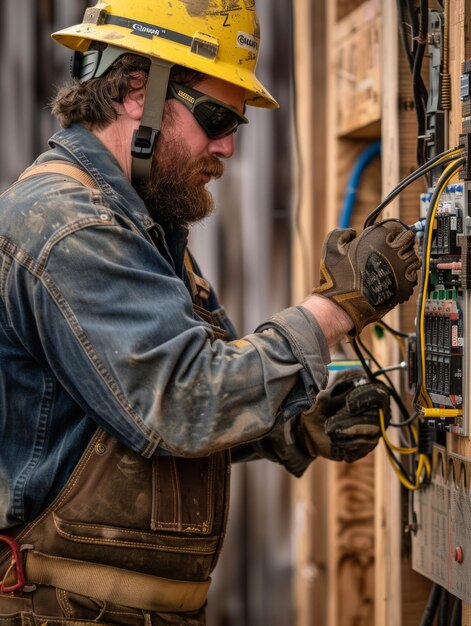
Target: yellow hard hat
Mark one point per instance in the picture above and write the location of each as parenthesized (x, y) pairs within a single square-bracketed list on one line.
[(219, 38)]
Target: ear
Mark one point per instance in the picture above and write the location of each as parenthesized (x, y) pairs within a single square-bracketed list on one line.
[(133, 103)]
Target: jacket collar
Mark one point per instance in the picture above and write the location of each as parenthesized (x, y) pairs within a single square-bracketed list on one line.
[(79, 145)]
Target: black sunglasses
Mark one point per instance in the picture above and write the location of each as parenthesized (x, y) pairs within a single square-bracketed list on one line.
[(215, 118)]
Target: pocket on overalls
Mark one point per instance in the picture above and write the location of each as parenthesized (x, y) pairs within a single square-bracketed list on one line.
[(184, 493), (15, 611)]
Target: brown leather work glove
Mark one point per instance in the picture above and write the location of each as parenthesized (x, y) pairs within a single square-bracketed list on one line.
[(344, 424), (370, 274)]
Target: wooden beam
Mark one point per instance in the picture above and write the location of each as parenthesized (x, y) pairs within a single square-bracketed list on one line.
[(309, 499)]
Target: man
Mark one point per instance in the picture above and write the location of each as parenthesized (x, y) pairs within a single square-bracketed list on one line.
[(123, 389)]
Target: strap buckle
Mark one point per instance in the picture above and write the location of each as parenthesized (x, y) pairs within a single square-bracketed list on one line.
[(16, 565), (143, 142)]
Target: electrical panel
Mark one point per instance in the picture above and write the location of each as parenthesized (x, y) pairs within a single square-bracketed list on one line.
[(444, 358), (441, 537), (446, 310)]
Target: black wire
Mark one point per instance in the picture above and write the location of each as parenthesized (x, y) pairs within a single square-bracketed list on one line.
[(456, 613), (392, 389), (403, 24), (414, 20), (399, 465), (402, 31), (432, 605), (420, 106), (415, 52), (362, 359), (393, 331), (424, 169), (410, 420), (421, 28), (423, 24), (443, 608), (407, 421)]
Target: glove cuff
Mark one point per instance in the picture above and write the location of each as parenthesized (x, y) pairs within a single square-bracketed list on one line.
[(360, 311), (302, 439)]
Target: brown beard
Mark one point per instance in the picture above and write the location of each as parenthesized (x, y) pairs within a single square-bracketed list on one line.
[(175, 194)]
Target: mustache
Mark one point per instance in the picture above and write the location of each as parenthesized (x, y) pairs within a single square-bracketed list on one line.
[(211, 166)]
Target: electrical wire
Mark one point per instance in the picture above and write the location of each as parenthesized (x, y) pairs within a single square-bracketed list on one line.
[(413, 43), (362, 348), (391, 330), (399, 338), (443, 158), (420, 470), (410, 480), (420, 103), (390, 444), (369, 153), (443, 608), (456, 613), (432, 605), (400, 471)]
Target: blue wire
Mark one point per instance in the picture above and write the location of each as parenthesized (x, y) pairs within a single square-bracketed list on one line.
[(368, 154)]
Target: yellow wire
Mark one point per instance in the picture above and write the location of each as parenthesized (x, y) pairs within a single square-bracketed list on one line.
[(423, 463), (443, 413), (428, 467), (458, 151), (388, 442), (403, 480)]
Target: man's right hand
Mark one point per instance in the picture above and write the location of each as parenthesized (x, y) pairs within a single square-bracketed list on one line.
[(369, 275)]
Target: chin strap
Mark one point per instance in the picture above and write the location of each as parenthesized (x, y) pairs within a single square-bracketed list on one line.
[(145, 136)]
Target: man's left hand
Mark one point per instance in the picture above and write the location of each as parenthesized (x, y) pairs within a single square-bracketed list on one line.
[(344, 423)]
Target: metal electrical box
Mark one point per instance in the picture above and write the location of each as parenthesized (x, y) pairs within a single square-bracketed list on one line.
[(442, 543), (441, 540)]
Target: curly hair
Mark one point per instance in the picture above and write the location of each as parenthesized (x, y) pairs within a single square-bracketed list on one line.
[(93, 102)]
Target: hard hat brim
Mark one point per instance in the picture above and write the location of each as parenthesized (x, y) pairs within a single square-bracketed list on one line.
[(80, 36)]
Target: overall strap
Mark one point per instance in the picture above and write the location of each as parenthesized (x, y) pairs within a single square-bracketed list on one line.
[(60, 167), (200, 290), (199, 286)]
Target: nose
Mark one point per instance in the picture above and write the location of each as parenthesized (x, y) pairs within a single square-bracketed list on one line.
[(223, 147)]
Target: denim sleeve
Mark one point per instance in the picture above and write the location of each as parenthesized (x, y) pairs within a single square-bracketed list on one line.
[(280, 446), (106, 312)]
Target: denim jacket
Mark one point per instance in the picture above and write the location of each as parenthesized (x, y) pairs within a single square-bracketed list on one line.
[(97, 329)]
